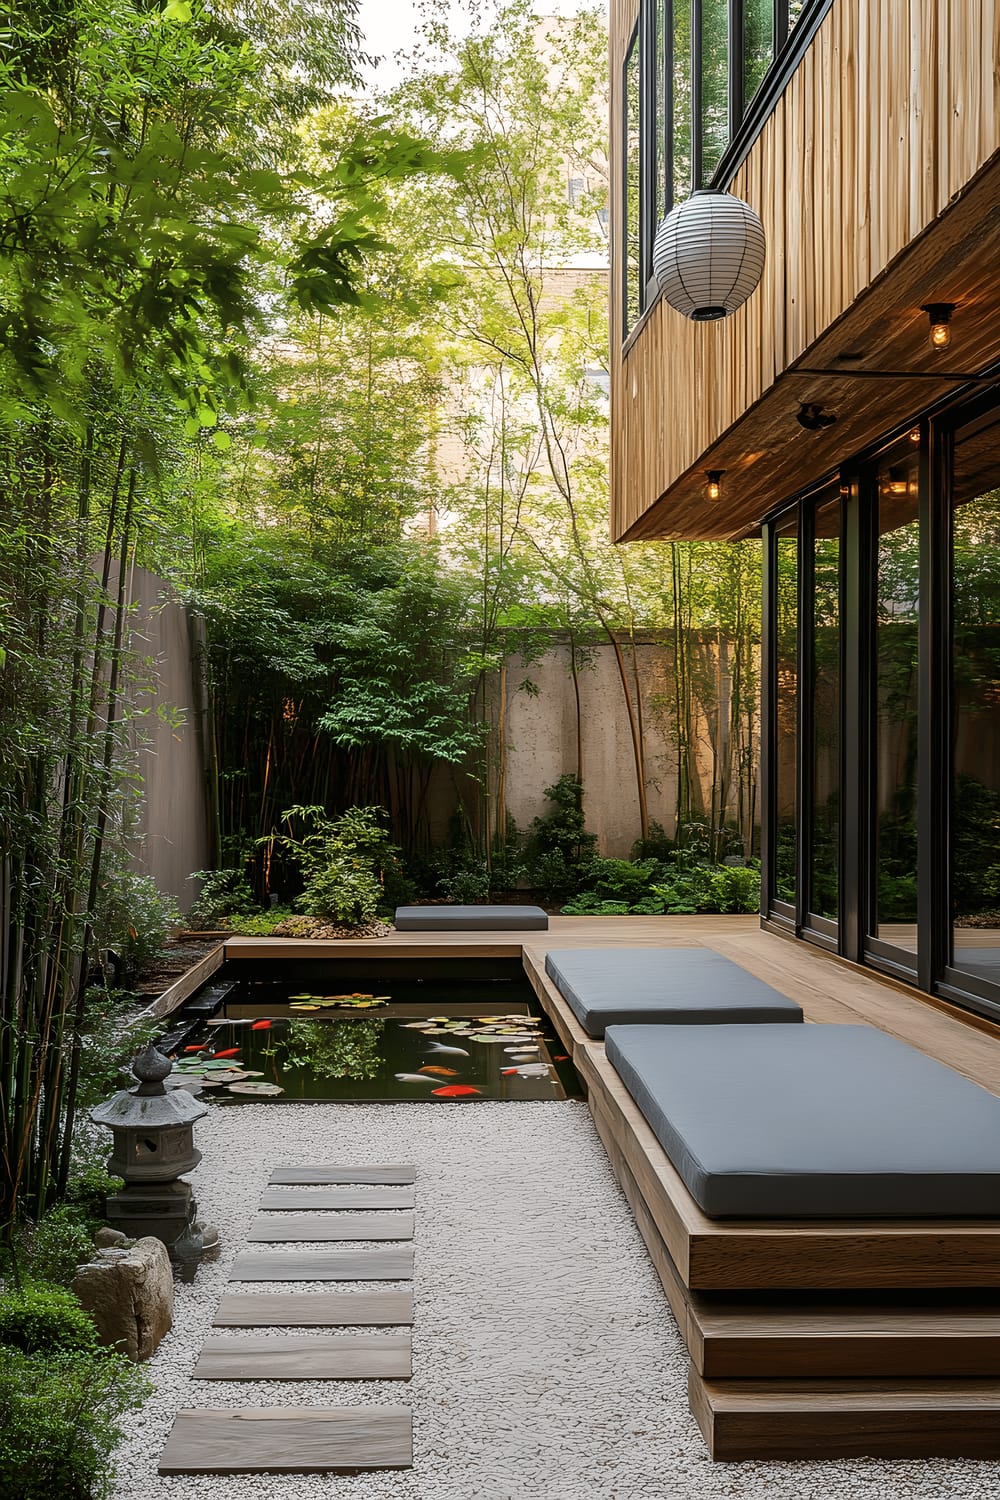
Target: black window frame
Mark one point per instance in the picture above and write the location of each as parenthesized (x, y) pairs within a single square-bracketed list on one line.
[(746, 117), (931, 969)]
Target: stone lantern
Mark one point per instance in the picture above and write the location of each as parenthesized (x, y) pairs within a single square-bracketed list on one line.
[(153, 1136)]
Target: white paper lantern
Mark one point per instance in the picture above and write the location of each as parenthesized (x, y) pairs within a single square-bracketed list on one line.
[(708, 255)]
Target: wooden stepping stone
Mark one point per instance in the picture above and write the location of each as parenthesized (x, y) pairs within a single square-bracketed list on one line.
[(363, 1356), (324, 1176), (276, 1227), (343, 1198), (313, 1309), (288, 1440), (325, 1265)]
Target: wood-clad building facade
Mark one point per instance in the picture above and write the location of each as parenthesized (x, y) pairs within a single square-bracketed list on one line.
[(867, 139)]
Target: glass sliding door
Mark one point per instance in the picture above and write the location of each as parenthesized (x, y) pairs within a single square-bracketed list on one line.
[(893, 897), (785, 691), (975, 706), (824, 716)]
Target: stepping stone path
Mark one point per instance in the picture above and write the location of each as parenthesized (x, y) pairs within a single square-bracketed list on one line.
[(232, 1440), (317, 1227)]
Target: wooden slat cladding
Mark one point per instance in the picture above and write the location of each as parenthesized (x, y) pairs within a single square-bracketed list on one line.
[(891, 115)]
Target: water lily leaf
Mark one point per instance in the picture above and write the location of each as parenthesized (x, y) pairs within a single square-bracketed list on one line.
[(300, 1005), (264, 1089)]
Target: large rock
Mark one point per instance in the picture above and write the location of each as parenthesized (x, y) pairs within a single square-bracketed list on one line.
[(130, 1294)]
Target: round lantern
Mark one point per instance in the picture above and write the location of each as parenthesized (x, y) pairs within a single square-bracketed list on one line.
[(708, 255)]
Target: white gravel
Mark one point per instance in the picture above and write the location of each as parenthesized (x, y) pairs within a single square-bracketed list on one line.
[(546, 1362)]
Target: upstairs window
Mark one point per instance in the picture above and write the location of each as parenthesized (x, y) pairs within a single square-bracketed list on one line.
[(700, 78)]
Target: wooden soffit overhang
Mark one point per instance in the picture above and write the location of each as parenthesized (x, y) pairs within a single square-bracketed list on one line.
[(878, 372)]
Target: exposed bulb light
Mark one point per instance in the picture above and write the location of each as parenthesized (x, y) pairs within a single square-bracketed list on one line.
[(914, 435), (939, 315), (713, 489)]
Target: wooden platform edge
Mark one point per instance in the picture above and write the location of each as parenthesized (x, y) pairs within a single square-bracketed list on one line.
[(790, 1255)]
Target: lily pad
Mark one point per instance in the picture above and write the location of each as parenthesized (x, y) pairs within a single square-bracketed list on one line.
[(267, 1090)]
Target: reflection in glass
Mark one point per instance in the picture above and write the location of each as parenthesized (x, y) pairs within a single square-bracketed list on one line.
[(661, 202), (633, 305), (787, 702), (896, 621), (826, 712), (975, 817), (758, 44), (680, 166), (714, 84), (795, 9)]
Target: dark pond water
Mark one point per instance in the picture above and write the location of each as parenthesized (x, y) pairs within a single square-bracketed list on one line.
[(433, 1041)]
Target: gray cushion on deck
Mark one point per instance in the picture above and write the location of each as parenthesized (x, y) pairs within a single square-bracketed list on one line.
[(470, 919), (813, 1121), (683, 986)]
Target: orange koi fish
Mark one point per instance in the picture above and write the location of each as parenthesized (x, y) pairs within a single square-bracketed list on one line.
[(441, 1072), (456, 1091)]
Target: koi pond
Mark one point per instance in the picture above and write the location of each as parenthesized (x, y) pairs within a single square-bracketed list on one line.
[(332, 1034)]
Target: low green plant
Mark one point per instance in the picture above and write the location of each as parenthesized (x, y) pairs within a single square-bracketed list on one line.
[(52, 1249), (60, 1421), (133, 919), (684, 887), (259, 923), (560, 850), (223, 894), (42, 1317), (349, 865)]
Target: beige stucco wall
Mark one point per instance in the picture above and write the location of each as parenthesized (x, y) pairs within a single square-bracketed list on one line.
[(542, 739), (171, 830)]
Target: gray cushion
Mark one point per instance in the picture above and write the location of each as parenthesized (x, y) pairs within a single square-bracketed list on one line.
[(470, 918), (684, 986), (813, 1121)]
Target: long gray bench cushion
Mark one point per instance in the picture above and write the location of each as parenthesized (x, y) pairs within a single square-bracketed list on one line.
[(813, 1121), (683, 986), (470, 918)]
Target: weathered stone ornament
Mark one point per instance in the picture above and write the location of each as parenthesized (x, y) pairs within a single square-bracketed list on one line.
[(129, 1292), (153, 1131), (708, 255)]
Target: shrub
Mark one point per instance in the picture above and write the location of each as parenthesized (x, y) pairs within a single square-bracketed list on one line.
[(60, 1421), (560, 850), (52, 1249), (349, 865), (40, 1318), (133, 918), (224, 893), (346, 891)]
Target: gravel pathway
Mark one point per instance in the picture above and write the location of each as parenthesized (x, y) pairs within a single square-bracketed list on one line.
[(546, 1363)]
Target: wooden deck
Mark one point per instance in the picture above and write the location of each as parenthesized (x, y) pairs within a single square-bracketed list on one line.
[(807, 1338)]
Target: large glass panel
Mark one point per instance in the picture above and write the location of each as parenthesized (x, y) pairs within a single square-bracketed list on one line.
[(826, 712), (633, 90), (758, 44), (680, 166), (661, 186), (786, 649), (714, 84), (896, 621), (975, 813)]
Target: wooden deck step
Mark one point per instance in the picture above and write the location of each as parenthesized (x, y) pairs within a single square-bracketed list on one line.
[(857, 1340), (364, 1200), (325, 1265), (313, 1309), (346, 1356), (328, 1175), (786, 1419), (288, 1440), (277, 1227)]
